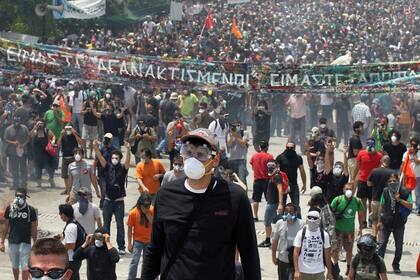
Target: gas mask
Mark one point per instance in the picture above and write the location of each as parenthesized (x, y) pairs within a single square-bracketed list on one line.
[(271, 168), (289, 217), (19, 201)]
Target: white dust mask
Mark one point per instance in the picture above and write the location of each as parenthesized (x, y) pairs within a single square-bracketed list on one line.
[(194, 169), (348, 193)]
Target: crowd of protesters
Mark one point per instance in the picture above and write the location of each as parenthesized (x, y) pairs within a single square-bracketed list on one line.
[(90, 133), (301, 32)]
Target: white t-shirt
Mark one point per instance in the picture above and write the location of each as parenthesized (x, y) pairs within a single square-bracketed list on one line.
[(70, 236), (221, 133), (311, 259), (88, 220), (76, 102)]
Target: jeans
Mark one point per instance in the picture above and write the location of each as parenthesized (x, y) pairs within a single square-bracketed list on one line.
[(343, 131), (19, 255), (39, 165), (115, 208), (417, 193), (19, 169), (327, 111), (398, 234), (239, 167), (77, 121), (294, 197), (138, 249), (102, 187), (163, 145), (285, 271), (297, 129)]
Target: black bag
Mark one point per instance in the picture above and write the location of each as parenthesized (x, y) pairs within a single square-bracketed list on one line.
[(81, 233), (340, 215)]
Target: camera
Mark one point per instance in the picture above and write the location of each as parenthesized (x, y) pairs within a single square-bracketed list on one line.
[(98, 236)]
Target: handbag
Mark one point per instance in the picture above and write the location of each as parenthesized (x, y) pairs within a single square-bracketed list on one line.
[(50, 149)]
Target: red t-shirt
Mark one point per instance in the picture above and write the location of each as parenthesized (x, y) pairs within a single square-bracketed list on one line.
[(259, 165), (367, 162)]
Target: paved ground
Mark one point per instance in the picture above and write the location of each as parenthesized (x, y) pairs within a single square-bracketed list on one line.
[(47, 201)]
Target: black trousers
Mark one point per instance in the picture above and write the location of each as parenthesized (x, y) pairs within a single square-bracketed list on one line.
[(75, 266)]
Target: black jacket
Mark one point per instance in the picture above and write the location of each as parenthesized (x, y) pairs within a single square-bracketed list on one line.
[(224, 222), (100, 261)]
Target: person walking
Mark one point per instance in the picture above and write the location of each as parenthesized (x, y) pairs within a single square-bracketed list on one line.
[(192, 236), (176, 173), (86, 213), (259, 167), (20, 226), (311, 248), (115, 190), (396, 204), (16, 137), (367, 264), (284, 233), (290, 162), (101, 256), (139, 231), (413, 155)]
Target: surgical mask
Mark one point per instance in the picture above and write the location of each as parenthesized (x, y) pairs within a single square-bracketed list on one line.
[(394, 139), (77, 157), (99, 243), (323, 126), (348, 193), (68, 132), (201, 111), (313, 225), (114, 161), (337, 171), (320, 164), (194, 169)]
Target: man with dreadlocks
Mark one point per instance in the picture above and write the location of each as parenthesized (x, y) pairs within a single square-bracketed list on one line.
[(139, 230)]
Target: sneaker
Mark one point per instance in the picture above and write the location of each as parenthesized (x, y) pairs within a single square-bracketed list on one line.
[(397, 270), (265, 244), (121, 252)]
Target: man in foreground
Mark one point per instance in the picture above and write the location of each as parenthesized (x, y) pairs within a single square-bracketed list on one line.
[(200, 221)]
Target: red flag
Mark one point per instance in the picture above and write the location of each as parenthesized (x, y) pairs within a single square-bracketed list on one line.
[(410, 181), (209, 22), (235, 30)]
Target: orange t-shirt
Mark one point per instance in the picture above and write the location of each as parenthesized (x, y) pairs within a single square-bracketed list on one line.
[(146, 171), (141, 232)]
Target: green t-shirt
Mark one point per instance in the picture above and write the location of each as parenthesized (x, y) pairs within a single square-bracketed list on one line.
[(346, 224), (188, 105), (409, 199), (52, 122)]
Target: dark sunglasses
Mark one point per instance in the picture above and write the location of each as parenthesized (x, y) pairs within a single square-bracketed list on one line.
[(312, 218), (290, 148), (392, 181), (20, 195), (54, 273)]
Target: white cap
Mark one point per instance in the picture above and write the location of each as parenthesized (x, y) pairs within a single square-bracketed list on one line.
[(316, 190)]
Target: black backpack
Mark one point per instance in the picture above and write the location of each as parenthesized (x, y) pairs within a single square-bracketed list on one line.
[(81, 233)]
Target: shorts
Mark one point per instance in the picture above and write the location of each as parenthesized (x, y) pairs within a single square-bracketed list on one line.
[(270, 214), (19, 255), (65, 166), (316, 276), (363, 191), (74, 197), (259, 188), (374, 214), (352, 167), (345, 240), (89, 132)]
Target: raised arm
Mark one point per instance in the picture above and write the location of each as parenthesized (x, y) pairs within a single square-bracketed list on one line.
[(98, 153)]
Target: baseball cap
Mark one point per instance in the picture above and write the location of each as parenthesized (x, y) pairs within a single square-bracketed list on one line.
[(108, 135), (316, 190), (22, 191), (205, 135)]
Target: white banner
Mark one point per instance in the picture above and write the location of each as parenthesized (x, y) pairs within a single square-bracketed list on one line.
[(80, 9), (176, 13), (238, 1)]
